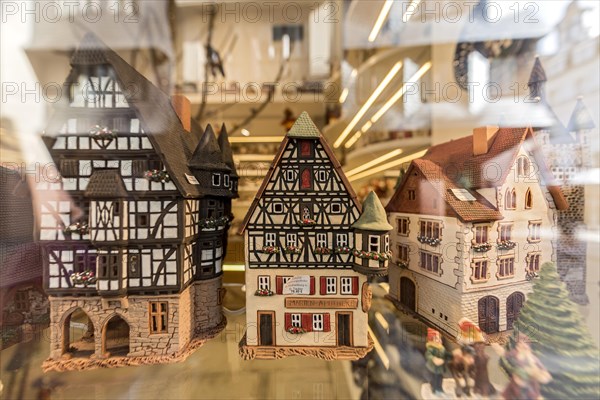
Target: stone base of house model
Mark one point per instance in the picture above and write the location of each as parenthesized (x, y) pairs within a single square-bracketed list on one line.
[(325, 353), (83, 363)]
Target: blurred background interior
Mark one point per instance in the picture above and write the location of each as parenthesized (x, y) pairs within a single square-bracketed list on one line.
[(382, 79)]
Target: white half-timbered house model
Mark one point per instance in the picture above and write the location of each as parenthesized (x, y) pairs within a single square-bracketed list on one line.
[(309, 251), (134, 224), (474, 219)]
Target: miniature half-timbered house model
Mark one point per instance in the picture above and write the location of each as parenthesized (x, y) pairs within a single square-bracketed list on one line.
[(567, 153), (309, 251), (134, 224), (474, 220)]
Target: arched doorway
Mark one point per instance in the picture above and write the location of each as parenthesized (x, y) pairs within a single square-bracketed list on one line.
[(514, 303), (408, 294), (489, 314), (78, 334), (115, 337)]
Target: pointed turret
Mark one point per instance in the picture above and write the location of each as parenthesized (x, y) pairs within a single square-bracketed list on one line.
[(226, 151), (537, 81), (207, 155), (580, 120), (372, 239)]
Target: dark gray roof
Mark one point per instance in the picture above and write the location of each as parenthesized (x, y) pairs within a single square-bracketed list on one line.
[(106, 184), (207, 155), (226, 151), (89, 52), (580, 118)]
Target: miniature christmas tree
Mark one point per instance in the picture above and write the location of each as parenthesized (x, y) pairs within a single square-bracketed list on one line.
[(560, 339)]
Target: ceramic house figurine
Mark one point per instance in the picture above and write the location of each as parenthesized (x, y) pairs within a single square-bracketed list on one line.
[(474, 221), (309, 252), (567, 154), (134, 224)]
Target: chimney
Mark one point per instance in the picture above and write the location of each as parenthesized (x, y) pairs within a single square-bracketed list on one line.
[(482, 137), (183, 108)]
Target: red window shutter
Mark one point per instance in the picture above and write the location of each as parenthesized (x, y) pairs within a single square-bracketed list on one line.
[(312, 285), (288, 321), (307, 322), (323, 285), (279, 284), (326, 323), (355, 285), (306, 179)]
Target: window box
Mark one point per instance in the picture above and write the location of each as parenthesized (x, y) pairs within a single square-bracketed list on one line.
[(212, 222), (322, 251), (343, 250), (531, 275), (84, 278), (481, 247), (270, 250), (506, 245), (296, 330), (293, 250), (263, 292), (429, 240), (80, 228), (372, 255), (155, 175), (307, 222)]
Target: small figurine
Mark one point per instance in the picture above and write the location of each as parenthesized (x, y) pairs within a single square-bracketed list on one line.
[(462, 368), (525, 371), (435, 357), (471, 334), (309, 251)]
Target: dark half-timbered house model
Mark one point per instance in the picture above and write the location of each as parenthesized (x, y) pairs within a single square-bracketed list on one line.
[(309, 252), (133, 224), (474, 219)]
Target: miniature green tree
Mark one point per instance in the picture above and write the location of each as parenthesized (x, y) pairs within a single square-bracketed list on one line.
[(560, 339)]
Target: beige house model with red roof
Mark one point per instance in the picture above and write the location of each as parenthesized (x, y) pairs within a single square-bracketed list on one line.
[(474, 220)]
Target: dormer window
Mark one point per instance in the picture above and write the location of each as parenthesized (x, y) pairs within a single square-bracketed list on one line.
[(374, 243), (226, 181), (216, 180)]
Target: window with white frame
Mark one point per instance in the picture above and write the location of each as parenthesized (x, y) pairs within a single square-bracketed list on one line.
[(226, 180), (336, 208), (296, 321), (285, 279), (278, 208), (330, 284), (341, 239), (386, 243), (535, 229), (533, 262), (290, 175), (317, 322), (264, 282), (321, 175), (430, 229), (270, 239), (321, 240), (346, 285), (216, 179), (374, 243), (291, 239)]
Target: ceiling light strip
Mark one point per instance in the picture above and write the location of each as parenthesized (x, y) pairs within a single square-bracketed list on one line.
[(389, 165), (385, 10), (374, 162)]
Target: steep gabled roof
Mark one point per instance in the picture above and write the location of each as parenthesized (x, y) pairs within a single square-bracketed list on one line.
[(278, 157), (580, 118), (20, 264), (226, 151), (452, 165), (207, 155), (106, 184), (304, 128), (373, 216), (151, 105)]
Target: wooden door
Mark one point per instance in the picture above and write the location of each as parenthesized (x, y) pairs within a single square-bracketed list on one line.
[(266, 328), (408, 294), (344, 329), (489, 314), (514, 303)]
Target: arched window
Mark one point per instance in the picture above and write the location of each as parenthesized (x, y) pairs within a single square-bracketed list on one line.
[(523, 166), (510, 199), (528, 199)]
